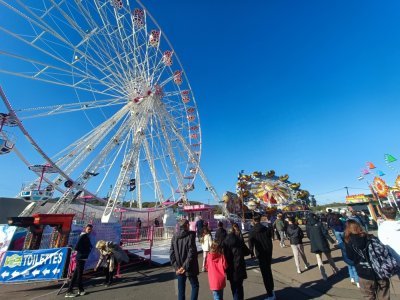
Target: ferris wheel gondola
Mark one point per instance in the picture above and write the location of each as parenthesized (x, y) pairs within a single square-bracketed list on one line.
[(7, 139)]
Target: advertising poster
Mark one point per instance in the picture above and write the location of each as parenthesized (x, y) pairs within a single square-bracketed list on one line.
[(6, 235)]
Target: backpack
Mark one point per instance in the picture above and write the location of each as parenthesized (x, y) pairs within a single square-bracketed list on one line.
[(381, 261)]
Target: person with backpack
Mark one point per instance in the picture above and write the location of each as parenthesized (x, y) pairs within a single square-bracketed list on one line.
[(280, 228), (296, 235), (216, 265), (372, 260)]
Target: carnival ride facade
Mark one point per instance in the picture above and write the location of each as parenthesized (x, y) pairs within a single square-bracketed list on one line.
[(118, 71), (265, 193)]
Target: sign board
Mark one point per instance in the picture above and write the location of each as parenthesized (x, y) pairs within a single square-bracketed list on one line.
[(33, 265), (354, 199)]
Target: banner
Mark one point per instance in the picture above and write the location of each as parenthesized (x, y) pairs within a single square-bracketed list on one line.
[(33, 265)]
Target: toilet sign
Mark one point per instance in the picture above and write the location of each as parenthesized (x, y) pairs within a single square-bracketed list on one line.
[(33, 265)]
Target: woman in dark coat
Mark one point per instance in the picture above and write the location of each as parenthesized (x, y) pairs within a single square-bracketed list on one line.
[(235, 250), (356, 240), (319, 237)]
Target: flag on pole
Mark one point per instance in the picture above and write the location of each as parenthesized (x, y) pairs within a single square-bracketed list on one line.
[(380, 173), (390, 158), (366, 172)]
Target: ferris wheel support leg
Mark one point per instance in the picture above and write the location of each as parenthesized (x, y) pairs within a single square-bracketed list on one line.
[(171, 154), (28, 210)]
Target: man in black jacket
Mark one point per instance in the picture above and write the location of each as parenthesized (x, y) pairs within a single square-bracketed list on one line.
[(260, 238), (183, 256), (220, 233), (82, 248)]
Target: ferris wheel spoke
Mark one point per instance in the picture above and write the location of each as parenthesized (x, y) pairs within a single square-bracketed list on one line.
[(128, 165), (44, 111), (37, 22), (87, 145), (90, 171), (172, 157), (150, 161)]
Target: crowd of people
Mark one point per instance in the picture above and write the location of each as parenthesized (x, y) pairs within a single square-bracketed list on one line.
[(223, 258), (371, 261)]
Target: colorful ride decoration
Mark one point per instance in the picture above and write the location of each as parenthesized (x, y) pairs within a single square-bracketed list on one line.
[(233, 203), (357, 199), (380, 187), (397, 182), (264, 192)]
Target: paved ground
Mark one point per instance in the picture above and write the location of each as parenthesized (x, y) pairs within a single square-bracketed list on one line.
[(143, 282)]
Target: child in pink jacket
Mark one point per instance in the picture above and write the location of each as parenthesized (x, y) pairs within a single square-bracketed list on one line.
[(216, 266)]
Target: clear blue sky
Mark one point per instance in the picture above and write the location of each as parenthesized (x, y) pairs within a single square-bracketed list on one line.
[(307, 88)]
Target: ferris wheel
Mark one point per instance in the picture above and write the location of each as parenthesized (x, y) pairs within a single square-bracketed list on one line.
[(118, 73)]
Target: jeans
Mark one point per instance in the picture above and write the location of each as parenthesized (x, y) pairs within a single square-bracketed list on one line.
[(237, 290), (353, 273), (282, 236), (218, 295), (194, 282), (350, 264), (77, 276)]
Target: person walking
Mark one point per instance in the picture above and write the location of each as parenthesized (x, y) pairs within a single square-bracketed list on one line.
[(389, 232), (260, 239), (106, 261), (235, 250), (220, 233), (183, 257), (83, 248), (296, 235), (356, 242), (199, 227), (205, 241), (319, 237), (216, 265), (280, 228), (338, 226), (138, 223)]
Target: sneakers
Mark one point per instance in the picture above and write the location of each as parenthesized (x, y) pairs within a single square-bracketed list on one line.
[(271, 297), (82, 293), (335, 270), (358, 284), (306, 266), (70, 295), (298, 271), (352, 281)]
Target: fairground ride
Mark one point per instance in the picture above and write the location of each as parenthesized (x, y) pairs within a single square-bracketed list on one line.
[(121, 74)]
